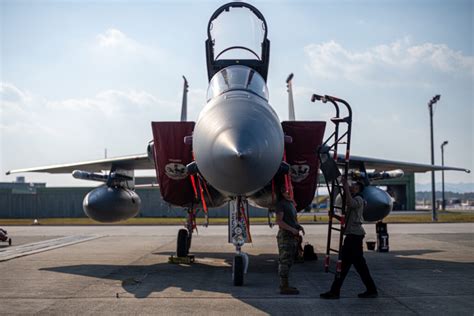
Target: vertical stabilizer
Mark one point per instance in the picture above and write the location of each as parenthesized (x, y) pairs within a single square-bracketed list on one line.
[(291, 104), (184, 104)]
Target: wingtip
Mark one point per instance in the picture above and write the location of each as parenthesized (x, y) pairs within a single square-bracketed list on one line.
[(468, 171), (8, 172)]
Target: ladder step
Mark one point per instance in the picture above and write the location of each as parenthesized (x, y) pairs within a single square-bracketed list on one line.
[(338, 229), (334, 250), (337, 120)]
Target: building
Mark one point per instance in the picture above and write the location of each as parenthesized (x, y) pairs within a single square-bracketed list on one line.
[(402, 190), (20, 199), (35, 200)]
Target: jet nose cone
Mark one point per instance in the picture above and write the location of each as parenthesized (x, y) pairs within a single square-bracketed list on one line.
[(238, 147), (242, 154), (235, 149), (243, 160), (233, 143)]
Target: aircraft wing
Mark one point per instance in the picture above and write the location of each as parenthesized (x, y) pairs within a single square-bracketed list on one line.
[(134, 162), (385, 165), (141, 162)]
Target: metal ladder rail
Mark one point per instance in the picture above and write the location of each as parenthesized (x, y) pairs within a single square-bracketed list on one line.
[(335, 187), (335, 190), (342, 217)]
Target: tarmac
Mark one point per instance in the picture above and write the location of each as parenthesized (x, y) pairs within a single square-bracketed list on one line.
[(429, 270)]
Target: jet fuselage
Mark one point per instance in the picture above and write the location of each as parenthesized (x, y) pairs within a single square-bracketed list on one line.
[(238, 140)]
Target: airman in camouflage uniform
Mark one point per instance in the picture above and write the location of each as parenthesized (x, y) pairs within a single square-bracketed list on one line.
[(287, 220), (352, 252)]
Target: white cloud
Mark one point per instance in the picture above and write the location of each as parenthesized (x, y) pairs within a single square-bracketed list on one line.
[(14, 103), (11, 94), (399, 62), (69, 130), (112, 103), (114, 38), (113, 43)]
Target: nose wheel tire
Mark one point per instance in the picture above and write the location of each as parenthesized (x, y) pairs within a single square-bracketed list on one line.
[(238, 270), (9, 241), (183, 244), (190, 238)]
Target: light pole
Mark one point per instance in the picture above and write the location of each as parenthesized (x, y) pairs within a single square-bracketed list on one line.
[(442, 172), (433, 192)]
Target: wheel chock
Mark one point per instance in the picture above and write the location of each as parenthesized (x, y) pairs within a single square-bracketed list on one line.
[(181, 260)]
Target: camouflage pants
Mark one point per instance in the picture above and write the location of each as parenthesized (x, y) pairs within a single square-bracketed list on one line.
[(286, 250)]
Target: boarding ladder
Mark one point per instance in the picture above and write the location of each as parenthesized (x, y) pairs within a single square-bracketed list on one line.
[(332, 164)]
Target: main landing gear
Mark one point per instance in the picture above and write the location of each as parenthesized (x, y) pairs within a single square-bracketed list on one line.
[(184, 243), (4, 237), (185, 235)]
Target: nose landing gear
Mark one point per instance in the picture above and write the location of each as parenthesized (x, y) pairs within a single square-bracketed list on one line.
[(239, 233)]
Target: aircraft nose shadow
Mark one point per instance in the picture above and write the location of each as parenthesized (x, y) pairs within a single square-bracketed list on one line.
[(208, 276)]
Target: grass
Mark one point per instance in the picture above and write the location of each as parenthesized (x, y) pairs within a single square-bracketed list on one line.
[(443, 217)]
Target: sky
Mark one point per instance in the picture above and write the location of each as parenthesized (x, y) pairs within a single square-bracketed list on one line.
[(77, 77)]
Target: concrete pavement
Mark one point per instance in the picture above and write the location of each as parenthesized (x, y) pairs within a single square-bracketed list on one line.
[(429, 270)]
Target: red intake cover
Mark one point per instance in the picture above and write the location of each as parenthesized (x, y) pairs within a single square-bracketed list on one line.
[(171, 157), (302, 156)]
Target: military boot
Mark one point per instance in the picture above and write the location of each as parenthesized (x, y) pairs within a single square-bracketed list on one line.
[(286, 289)]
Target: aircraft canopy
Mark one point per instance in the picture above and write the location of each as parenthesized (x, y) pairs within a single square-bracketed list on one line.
[(237, 35), (237, 78)]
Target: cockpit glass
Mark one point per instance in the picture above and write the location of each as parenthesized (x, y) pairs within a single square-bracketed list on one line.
[(237, 78), (240, 31)]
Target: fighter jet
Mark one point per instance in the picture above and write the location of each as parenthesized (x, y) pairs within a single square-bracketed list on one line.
[(237, 153)]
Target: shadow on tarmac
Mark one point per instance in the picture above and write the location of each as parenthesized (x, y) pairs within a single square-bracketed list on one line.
[(211, 272), (397, 274)]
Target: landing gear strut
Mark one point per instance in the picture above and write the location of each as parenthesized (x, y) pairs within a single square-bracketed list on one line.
[(238, 234)]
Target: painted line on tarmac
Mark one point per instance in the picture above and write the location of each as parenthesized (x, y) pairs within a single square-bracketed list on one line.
[(45, 245)]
